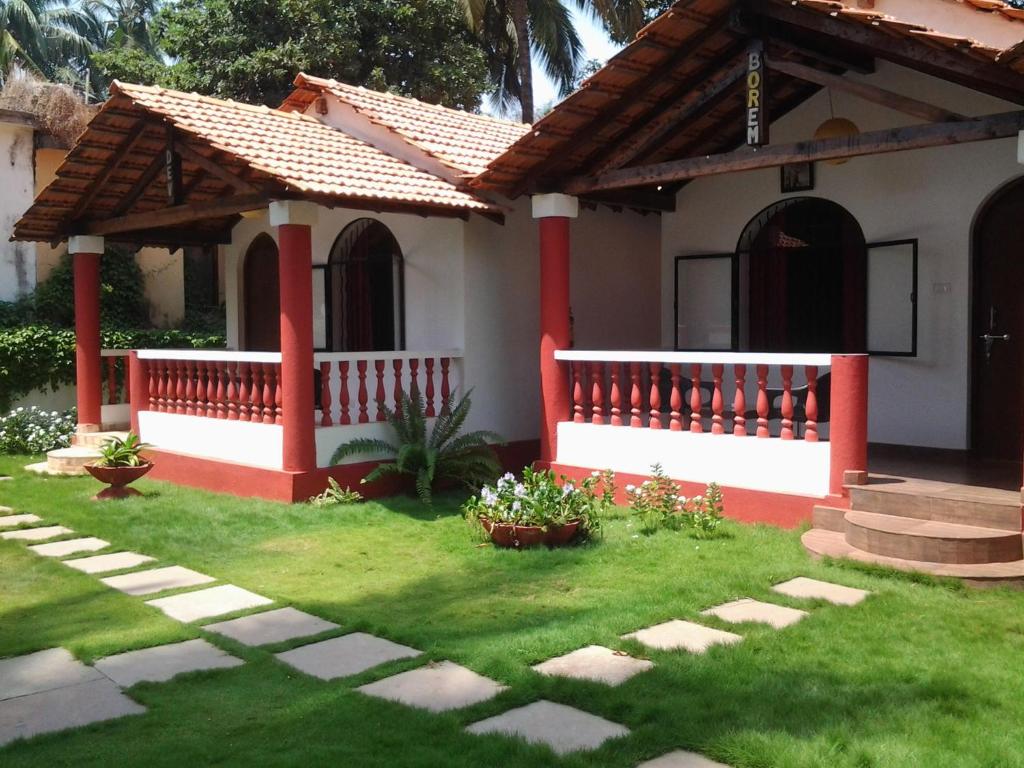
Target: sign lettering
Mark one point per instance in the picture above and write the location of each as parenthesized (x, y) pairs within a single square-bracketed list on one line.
[(756, 121)]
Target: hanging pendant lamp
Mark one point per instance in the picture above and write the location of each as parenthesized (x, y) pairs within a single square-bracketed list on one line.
[(836, 128)]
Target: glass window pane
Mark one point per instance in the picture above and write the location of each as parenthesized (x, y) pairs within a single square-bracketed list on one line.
[(319, 309), (704, 303), (891, 298)]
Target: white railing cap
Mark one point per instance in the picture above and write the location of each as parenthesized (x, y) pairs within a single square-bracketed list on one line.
[(115, 352), (211, 355), (413, 354), (663, 356)]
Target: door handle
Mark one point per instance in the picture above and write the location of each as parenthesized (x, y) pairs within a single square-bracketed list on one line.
[(989, 340)]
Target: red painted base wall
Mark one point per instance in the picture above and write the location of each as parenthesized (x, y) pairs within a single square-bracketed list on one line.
[(785, 510), (278, 485)]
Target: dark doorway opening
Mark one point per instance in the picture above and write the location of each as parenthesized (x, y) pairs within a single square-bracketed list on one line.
[(262, 310)]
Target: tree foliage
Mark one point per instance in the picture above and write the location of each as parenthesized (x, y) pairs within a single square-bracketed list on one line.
[(46, 37), (251, 50)]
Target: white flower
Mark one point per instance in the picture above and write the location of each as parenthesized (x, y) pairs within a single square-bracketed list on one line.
[(519, 491), (595, 473), (630, 488)]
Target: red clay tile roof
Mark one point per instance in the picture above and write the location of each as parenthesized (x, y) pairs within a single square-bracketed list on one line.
[(300, 151), (461, 140)]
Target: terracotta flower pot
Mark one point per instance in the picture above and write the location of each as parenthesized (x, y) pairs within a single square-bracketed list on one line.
[(560, 535), (513, 536), (118, 479)]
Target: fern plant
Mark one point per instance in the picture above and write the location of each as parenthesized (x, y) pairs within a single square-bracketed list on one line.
[(443, 454)]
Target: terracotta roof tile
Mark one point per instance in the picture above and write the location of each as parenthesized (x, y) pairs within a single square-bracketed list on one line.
[(461, 140), (300, 151)]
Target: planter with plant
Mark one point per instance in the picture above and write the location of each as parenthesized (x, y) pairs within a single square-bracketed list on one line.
[(120, 464), (541, 509), (658, 503), (429, 457)]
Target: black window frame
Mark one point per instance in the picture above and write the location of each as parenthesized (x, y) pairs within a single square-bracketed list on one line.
[(734, 310), (915, 292)]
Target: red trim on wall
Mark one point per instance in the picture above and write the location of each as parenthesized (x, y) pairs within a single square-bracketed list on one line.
[(743, 504), (278, 485)]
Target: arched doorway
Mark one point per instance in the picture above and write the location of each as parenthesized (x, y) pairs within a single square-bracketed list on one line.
[(262, 310), (365, 286), (805, 262), (997, 326)]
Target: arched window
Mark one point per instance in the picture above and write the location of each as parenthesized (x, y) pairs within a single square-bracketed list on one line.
[(262, 298), (365, 290)]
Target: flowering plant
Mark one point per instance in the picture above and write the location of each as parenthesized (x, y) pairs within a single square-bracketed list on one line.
[(658, 504), (542, 500), (34, 430)]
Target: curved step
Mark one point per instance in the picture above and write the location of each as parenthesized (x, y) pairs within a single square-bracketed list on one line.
[(70, 461), (97, 439), (822, 543), (931, 541)]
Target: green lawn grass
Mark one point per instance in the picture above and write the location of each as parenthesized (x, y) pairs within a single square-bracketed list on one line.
[(922, 674)]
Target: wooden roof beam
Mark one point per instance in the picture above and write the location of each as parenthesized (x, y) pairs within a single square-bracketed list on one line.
[(871, 143), (110, 166), (236, 182), (865, 91), (985, 76), (141, 184), (176, 215)]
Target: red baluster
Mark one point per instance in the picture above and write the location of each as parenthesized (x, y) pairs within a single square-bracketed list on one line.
[(179, 402), (597, 392), (787, 402), (153, 374), (577, 392), (397, 366), (762, 401), (811, 404), (200, 393), (343, 399), (232, 391), (325, 395), (695, 398), (220, 372), (430, 387), (616, 396), (111, 380), (379, 367), (243, 391), (269, 393), (717, 405), (190, 389), (362, 396), (739, 403), (278, 395), (160, 368), (446, 390), (635, 396), (256, 397), (655, 401), (414, 376), (675, 400)]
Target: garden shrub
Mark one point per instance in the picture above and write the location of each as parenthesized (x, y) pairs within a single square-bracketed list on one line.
[(123, 301), (34, 430), (658, 504)]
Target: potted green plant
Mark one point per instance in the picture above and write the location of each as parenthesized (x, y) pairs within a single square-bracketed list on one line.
[(541, 509), (120, 464)]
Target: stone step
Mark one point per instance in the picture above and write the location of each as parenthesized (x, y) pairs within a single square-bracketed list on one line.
[(909, 538), (65, 461), (96, 439), (822, 543), (829, 518), (941, 502)]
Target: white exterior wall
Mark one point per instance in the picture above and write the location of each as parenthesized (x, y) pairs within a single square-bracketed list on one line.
[(17, 260), (931, 194)]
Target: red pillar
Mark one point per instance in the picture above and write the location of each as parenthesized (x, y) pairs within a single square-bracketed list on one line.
[(296, 275), (554, 212), (138, 388), (85, 253), (848, 430)]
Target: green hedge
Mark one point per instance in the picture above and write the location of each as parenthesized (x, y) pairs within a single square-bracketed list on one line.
[(38, 356)]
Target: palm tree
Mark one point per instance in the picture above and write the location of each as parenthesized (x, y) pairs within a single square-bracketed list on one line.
[(118, 23), (512, 31), (46, 37)]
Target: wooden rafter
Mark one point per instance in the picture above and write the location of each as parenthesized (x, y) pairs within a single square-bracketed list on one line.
[(871, 143), (156, 164), (109, 168), (865, 91), (178, 214), (236, 182)]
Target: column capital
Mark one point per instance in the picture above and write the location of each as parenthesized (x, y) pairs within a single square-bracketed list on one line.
[(85, 244), (293, 212), (555, 204)]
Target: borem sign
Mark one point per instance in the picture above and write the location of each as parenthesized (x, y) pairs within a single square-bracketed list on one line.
[(757, 123)]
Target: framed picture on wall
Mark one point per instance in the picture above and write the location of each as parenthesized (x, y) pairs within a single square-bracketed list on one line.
[(797, 177)]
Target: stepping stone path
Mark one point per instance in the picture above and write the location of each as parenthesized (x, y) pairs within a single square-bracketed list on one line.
[(36, 534), (51, 691), (747, 609), (596, 663), (12, 521), (681, 759), (105, 563), (563, 729), (69, 547), (271, 627), (802, 587), (161, 663), (345, 656), (677, 634), (436, 687), (157, 580), (205, 603)]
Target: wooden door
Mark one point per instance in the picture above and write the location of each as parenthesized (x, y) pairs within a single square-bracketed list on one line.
[(997, 328), (262, 297)]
